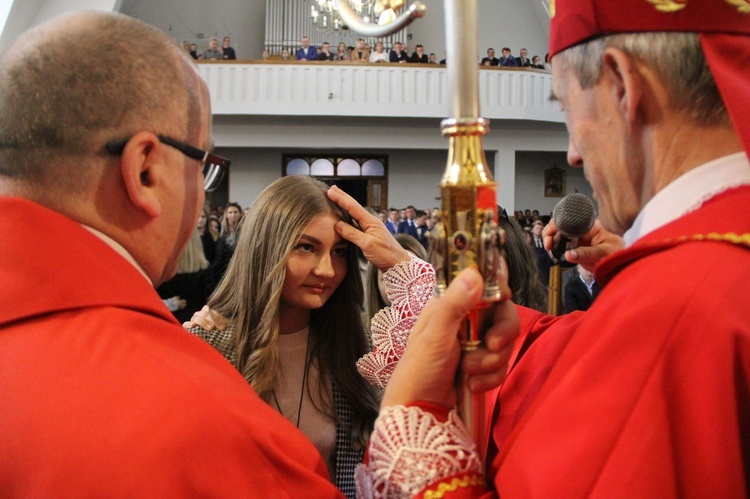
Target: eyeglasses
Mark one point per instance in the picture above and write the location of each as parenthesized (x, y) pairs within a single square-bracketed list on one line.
[(214, 166)]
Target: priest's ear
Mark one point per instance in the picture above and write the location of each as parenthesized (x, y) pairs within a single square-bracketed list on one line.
[(144, 170), (626, 84)]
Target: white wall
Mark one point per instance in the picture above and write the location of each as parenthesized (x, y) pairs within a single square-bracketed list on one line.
[(242, 20), (530, 167), (414, 175)]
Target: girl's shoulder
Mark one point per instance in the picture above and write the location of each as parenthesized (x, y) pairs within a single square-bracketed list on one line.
[(223, 341)]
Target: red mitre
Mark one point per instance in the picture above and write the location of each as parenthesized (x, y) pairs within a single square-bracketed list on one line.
[(724, 27)]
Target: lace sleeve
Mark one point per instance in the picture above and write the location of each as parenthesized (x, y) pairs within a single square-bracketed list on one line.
[(409, 286), (411, 450)]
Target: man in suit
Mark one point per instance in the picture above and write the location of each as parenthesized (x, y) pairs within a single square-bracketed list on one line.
[(581, 290), (393, 219), (101, 185), (420, 221), (307, 52), (523, 60), (398, 54), (408, 225), (490, 60), (543, 259)]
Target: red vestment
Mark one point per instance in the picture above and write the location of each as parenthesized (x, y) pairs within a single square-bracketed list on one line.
[(102, 393), (647, 394)]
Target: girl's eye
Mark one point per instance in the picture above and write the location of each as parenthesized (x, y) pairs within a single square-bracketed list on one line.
[(306, 247), (342, 251)]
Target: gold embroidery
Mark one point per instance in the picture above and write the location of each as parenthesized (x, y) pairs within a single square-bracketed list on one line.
[(670, 5), (551, 9), (743, 6), (729, 237), (456, 483)]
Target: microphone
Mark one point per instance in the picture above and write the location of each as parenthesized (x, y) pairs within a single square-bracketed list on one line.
[(574, 215)]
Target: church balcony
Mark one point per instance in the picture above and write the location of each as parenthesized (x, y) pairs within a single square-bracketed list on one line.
[(277, 88)]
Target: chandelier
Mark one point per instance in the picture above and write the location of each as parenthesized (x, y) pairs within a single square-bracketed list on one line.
[(325, 15)]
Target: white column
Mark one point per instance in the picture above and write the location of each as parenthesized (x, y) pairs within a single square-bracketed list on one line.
[(505, 176)]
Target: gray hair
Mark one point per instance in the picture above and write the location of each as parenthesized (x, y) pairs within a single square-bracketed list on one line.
[(676, 58)]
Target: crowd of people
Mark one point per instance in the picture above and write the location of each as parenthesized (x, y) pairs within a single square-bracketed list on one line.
[(278, 393), (214, 52), (507, 59), (361, 52)]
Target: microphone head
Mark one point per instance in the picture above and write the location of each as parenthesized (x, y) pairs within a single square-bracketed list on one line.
[(574, 215)]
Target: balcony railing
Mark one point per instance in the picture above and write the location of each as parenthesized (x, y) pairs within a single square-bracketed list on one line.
[(358, 89)]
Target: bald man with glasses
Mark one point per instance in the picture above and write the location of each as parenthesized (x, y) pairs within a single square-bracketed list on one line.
[(104, 160)]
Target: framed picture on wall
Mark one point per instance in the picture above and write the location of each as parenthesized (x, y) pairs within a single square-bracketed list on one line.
[(554, 182)]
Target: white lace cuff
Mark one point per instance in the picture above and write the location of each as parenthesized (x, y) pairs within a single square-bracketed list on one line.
[(409, 285), (410, 450)]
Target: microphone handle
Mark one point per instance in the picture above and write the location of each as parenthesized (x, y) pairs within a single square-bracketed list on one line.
[(562, 245)]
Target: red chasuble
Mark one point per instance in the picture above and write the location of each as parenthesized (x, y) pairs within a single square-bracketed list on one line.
[(103, 394), (648, 393)]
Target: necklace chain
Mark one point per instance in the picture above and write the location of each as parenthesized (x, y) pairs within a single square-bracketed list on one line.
[(304, 381)]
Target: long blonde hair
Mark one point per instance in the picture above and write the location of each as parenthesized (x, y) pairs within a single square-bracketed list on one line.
[(250, 294), (192, 258)]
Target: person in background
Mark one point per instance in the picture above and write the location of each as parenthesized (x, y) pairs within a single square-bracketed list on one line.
[(420, 223), (383, 216), (284, 54), (307, 52), (325, 52), (547, 62), (265, 55), (506, 59), (398, 54), (103, 394), (536, 62), (393, 219), (544, 261), (581, 290), (360, 53), (194, 52), (192, 281), (227, 242), (490, 60), (227, 51), (419, 56), (523, 61), (341, 53), (213, 52), (208, 237), (379, 55), (523, 274), (214, 227)]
